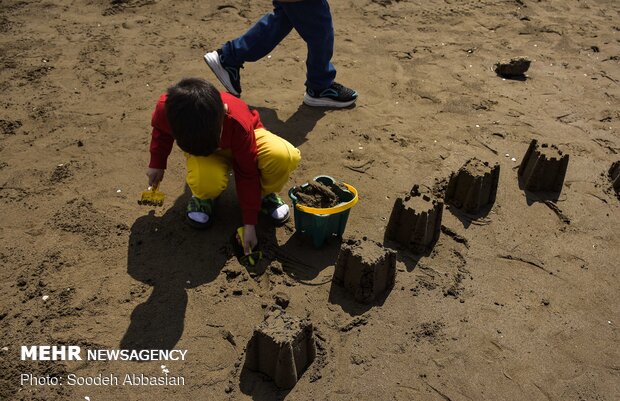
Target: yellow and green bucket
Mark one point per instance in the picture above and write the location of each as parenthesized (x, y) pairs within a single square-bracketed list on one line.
[(323, 223)]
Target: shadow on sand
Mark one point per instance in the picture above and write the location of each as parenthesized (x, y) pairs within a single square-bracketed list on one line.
[(167, 254)]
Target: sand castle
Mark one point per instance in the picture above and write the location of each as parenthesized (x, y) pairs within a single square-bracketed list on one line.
[(365, 269), (543, 168), (473, 187), (282, 347), (415, 221)]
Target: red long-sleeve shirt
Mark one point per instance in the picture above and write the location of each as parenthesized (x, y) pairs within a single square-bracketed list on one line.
[(237, 135)]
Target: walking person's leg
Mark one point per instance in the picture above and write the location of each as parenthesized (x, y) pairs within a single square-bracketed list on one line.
[(312, 19), (253, 45)]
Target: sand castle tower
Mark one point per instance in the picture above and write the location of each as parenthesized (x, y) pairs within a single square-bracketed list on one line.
[(473, 187), (282, 347), (543, 168), (365, 269), (415, 221)]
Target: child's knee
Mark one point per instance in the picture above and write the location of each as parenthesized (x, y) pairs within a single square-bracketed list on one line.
[(206, 180), (207, 186), (276, 155), (286, 154), (292, 157)]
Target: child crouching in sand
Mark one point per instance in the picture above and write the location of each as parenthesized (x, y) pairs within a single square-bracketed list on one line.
[(218, 131)]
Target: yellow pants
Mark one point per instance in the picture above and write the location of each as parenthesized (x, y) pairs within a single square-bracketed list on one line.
[(207, 176)]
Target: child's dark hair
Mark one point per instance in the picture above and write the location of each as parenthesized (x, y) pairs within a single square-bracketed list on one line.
[(195, 112)]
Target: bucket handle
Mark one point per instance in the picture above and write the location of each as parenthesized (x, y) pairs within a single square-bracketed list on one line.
[(332, 210)]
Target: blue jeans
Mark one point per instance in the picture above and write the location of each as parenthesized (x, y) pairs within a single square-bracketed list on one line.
[(312, 19)]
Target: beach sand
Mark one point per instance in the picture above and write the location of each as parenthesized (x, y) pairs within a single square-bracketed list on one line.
[(521, 302)]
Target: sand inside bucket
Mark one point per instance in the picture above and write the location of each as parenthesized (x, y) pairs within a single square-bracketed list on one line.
[(317, 195)]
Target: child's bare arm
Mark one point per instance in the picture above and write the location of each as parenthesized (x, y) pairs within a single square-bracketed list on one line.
[(249, 238)]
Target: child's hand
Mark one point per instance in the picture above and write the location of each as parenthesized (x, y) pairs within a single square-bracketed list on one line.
[(249, 238), (155, 175)]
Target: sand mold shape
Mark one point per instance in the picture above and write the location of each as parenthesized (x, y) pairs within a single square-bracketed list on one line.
[(513, 68), (365, 269), (543, 168), (282, 347), (473, 187), (415, 221)]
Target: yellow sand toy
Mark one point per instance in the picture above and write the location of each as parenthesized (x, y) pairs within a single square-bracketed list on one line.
[(152, 196), (250, 259)]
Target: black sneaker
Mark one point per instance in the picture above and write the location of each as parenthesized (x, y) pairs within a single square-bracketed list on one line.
[(228, 76), (335, 96)]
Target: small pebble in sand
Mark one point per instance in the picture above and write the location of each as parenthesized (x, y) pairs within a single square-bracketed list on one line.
[(7, 348), (118, 191), (513, 159), (45, 297)]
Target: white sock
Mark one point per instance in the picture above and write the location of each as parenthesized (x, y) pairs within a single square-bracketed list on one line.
[(280, 212), (198, 217)]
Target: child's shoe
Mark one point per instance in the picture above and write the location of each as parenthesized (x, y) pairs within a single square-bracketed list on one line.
[(274, 207), (335, 96), (200, 212), (228, 75)]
